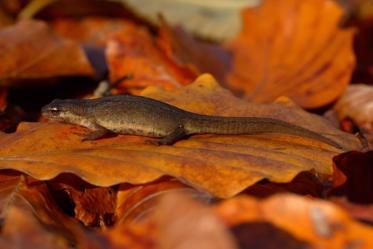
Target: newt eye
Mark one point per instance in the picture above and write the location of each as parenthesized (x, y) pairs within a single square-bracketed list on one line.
[(54, 110)]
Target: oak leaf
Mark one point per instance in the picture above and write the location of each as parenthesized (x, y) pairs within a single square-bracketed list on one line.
[(29, 49), (221, 165), (292, 48), (319, 223)]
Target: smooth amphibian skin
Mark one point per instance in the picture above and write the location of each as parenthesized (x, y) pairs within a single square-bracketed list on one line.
[(135, 115)]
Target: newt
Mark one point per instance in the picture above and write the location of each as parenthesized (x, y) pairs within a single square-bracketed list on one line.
[(136, 115)]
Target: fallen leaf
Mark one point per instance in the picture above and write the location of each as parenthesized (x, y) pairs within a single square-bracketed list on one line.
[(94, 33), (135, 236), (182, 47), (292, 48), (218, 20), (135, 62), (33, 198), (93, 206), (183, 223), (319, 223), (135, 202), (29, 49), (92, 30), (220, 165), (22, 230), (357, 104)]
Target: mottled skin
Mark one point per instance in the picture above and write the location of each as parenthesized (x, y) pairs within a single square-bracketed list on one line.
[(135, 115)]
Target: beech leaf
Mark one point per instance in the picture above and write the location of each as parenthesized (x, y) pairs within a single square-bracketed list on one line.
[(29, 49), (292, 48), (221, 165)]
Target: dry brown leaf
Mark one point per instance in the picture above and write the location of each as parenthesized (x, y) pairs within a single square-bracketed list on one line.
[(29, 49), (357, 104), (91, 30), (135, 203), (135, 56), (221, 165), (94, 206), (22, 230), (180, 46), (292, 48), (34, 199), (183, 223), (132, 236), (319, 223)]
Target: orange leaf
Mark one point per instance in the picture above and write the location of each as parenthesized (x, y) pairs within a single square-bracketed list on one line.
[(135, 202), (134, 55), (33, 198), (356, 104), (22, 230), (45, 150), (93, 206), (292, 48), (321, 224), (30, 50), (183, 223), (203, 57), (91, 30)]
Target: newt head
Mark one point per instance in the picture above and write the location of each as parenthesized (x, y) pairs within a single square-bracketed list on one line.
[(66, 110)]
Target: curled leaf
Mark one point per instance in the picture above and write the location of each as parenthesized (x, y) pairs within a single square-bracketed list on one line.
[(357, 104)]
